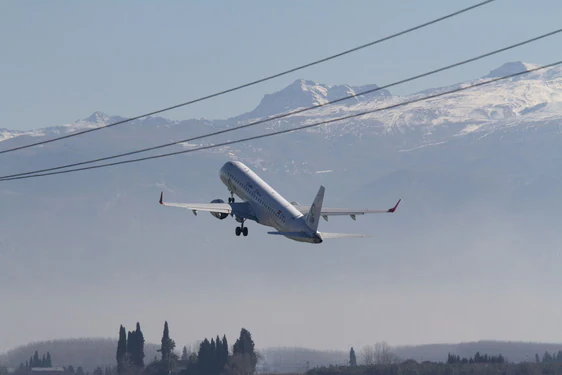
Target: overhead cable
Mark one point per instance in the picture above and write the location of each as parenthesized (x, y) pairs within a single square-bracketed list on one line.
[(277, 117), (459, 89)]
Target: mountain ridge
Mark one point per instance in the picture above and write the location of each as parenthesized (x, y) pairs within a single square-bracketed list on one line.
[(305, 93)]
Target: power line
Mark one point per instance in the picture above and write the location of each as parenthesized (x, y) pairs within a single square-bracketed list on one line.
[(255, 82), (289, 113), (293, 129)]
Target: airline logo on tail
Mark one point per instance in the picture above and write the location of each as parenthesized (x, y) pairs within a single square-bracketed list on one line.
[(315, 210), (311, 214)]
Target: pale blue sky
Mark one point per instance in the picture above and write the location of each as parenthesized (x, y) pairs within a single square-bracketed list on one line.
[(63, 60)]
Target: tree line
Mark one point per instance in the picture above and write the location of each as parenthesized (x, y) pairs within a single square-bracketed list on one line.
[(46, 362), (34, 362), (549, 358), (411, 367), (213, 357), (379, 361), (451, 359)]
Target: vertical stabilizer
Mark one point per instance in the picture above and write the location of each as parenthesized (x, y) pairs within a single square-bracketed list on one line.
[(313, 215)]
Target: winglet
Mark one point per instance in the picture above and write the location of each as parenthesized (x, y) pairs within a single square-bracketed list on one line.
[(161, 195), (391, 210)]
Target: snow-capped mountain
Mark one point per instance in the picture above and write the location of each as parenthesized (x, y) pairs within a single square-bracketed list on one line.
[(536, 96), (303, 94)]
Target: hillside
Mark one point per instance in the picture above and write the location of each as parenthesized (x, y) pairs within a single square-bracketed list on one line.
[(86, 352)]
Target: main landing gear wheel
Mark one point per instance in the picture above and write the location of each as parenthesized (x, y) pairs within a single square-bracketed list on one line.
[(231, 199), (241, 229)]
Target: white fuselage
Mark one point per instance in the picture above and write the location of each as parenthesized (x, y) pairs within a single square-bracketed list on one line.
[(269, 207)]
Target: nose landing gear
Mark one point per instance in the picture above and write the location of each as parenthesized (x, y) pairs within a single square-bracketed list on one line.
[(231, 199)]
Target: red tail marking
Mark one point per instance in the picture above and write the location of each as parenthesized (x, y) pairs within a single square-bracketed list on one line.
[(395, 207)]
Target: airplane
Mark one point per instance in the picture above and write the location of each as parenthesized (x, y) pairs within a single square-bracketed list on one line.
[(262, 204)]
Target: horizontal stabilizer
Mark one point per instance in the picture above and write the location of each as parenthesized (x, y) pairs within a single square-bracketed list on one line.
[(291, 234), (325, 235)]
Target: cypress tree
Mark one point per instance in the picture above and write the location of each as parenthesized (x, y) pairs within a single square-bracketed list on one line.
[(244, 347), (352, 358), (139, 350), (49, 360), (218, 356), (130, 347), (121, 351), (167, 346), (184, 355), (223, 353), (213, 359), (204, 358), (36, 361)]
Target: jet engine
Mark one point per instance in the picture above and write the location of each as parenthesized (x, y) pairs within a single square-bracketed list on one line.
[(219, 215)]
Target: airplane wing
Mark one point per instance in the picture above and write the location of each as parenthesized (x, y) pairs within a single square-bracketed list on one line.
[(325, 212), (241, 209)]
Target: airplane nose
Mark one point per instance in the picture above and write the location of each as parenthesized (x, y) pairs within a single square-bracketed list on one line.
[(223, 171)]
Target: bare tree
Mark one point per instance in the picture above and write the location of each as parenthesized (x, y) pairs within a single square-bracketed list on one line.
[(368, 355), (378, 354), (384, 355)]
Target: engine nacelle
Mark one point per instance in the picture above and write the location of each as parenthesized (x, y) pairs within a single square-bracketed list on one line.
[(218, 215)]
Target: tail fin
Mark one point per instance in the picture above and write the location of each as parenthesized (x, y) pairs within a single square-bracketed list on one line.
[(313, 215)]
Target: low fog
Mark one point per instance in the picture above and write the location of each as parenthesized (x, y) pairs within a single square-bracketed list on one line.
[(81, 265)]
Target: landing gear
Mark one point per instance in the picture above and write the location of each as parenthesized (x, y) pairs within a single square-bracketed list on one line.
[(231, 199), (242, 230)]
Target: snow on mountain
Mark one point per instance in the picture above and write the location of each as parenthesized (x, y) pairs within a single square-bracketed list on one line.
[(8, 134), (303, 93), (536, 96), (528, 98), (532, 98), (510, 68), (95, 120)]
